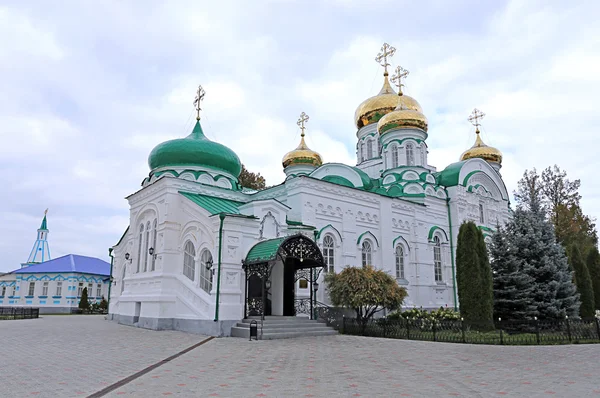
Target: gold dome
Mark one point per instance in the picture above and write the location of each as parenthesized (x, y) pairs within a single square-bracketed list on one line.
[(302, 155), (482, 151), (374, 108), (403, 117)]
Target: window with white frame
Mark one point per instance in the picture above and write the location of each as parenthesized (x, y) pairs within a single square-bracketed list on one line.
[(423, 153), (205, 274), (367, 251), (362, 152), (395, 157), (139, 255), (410, 155), (152, 268), (31, 288), (90, 292), (59, 288), (3, 291), (14, 292), (369, 149), (399, 262), (437, 258), (481, 214), (80, 289), (99, 290), (189, 266), (328, 253), (146, 246), (45, 289)]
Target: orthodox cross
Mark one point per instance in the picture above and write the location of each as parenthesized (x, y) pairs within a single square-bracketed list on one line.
[(386, 52), (475, 117), (197, 102), (400, 74), (303, 119)]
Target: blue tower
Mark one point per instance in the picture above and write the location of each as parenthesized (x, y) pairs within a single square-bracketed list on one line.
[(40, 251)]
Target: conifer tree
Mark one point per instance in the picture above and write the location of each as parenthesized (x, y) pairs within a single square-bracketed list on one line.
[(582, 281), (473, 276), (531, 240), (593, 264), (84, 304), (513, 286)]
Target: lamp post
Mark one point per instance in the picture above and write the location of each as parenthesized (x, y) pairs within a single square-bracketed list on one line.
[(128, 257)]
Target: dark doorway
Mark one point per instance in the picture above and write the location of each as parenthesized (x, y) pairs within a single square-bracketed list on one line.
[(289, 288), (255, 295)]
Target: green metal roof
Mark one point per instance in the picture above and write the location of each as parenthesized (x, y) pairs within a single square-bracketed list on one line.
[(214, 205), (44, 225), (449, 176), (264, 251)]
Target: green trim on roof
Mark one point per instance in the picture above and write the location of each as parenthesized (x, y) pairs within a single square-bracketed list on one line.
[(488, 229), (449, 176), (368, 135), (332, 227), (339, 180), (363, 234), (44, 225), (123, 236), (405, 242), (432, 231), (464, 183), (366, 180), (264, 251), (214, 205)]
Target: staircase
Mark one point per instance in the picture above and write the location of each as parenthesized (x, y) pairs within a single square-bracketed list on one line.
[(282, 327)]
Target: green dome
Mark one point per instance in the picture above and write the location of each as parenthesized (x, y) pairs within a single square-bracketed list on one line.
[(195, 150)]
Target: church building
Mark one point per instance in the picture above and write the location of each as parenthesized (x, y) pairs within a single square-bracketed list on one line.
[(202, 252)]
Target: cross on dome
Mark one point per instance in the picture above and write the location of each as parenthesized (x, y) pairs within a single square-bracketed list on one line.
[(303, 119), (397, 77), (197, 101), (387, 51), (475, 117)]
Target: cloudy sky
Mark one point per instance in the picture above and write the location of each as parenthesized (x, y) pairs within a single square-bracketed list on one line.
[(89, 88)]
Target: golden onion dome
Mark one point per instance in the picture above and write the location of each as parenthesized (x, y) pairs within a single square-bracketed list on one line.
[(403, 117), (482, 151), (374, 108), (302, 155)]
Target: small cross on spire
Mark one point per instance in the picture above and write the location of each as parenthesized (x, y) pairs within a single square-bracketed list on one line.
[(303, 119), (387, 51), (475, 117), (197, 102), (397, 77)]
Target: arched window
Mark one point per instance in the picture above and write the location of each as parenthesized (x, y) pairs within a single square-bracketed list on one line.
[(369, 149), (423, 153), (205, 274), (146, 246), (399, 262), (189, 266), (366, 253), (154, 245), (395, 158), (481, 214), (410, 155), (362, 152), (437, 259), (140, 243), (328, 253), (123, 278)]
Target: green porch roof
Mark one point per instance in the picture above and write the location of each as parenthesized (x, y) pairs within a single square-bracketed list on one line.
[(214, 205), (264, 251)]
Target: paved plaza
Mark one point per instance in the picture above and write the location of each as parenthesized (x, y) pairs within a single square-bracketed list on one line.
[(76, 356)]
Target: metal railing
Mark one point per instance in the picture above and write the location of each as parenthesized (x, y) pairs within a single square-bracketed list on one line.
[(522, 332), (19, 313)]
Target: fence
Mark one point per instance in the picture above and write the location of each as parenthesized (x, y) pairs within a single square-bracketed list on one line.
[(500, 332), (19, 313)]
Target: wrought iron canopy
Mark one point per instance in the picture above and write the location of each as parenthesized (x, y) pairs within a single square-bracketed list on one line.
[(297, 247)]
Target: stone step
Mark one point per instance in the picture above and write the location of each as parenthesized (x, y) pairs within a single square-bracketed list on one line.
[(279, 321), (283, 333), (283, 325)]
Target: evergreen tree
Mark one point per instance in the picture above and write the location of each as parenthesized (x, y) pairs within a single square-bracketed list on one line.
[(251, 180), (582, 281), (531, 240), (513, 286), (473, 275), (84, 304), (593, 265)]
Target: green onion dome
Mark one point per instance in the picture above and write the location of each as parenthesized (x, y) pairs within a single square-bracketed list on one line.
[(195, 150)]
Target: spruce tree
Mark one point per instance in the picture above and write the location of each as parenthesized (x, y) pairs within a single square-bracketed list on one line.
[(582, 281), (593, 264), (513, 286), (531, 240), (468, 277), (84, 304)]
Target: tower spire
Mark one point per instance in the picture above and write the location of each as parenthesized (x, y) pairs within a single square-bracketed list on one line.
[(40, 251)]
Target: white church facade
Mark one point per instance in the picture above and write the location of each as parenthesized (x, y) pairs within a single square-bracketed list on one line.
[(201, 252)]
